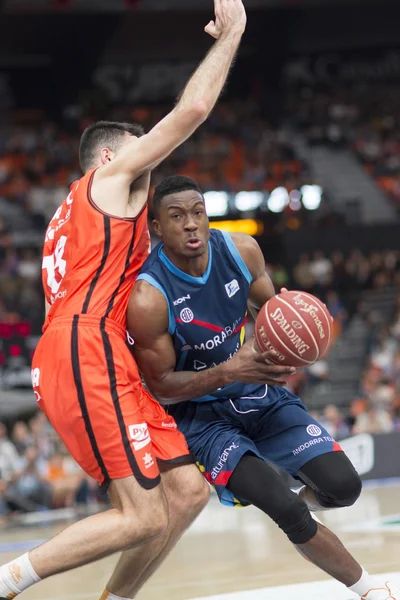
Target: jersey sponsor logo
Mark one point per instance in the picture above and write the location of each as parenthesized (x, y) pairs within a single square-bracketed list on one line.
[(314, 430), (186, 315), (311, 310), (198, 365), (222, 460), (139, 435), (35, 375), (232, 287), (180, 300), (220, 338), (294, 338), (53, 228)]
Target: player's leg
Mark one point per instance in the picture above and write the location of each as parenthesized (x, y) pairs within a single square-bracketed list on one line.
[(331, 481), (256, 482), (187, 494), (138, 515), (289, 437)]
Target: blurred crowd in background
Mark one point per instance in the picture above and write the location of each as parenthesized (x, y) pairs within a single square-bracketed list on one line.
[(364, 119)]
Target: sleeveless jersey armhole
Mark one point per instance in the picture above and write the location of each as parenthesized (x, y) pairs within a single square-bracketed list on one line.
[(158, 286), (236, 256)]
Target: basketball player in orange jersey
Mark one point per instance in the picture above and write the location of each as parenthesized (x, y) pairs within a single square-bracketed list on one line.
[(83, 376), (187, 314)]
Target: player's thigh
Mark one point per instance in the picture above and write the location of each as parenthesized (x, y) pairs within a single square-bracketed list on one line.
[(186, 490), (289, 436), (145, 506), (217, 443)]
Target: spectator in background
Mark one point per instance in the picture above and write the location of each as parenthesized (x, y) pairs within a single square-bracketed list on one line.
[(303, 275), (21, 437), (334, 422), (321, 269)]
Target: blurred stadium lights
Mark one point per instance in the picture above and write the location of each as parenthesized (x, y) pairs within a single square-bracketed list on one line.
[(249, 226), (278, 199), (220, 203), (216, 203), (311, 196), (245, 201)]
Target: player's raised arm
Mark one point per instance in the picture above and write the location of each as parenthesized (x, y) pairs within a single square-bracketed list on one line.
[(196, 101), (148, 323)]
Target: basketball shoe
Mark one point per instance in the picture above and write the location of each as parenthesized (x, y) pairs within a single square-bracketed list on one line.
[(385, 593)]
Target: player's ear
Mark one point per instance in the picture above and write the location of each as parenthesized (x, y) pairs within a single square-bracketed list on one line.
[(156, 227), (105, 156)]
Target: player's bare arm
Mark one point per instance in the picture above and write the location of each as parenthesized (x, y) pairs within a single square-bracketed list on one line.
[(155, 355), (262, 288), (112, 182)]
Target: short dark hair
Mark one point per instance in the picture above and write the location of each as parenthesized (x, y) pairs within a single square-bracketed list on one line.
[(173, 185), (104, 133)]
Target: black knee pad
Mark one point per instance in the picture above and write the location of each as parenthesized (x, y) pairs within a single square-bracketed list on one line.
[(334, 480), (297, 522), (343, 489)]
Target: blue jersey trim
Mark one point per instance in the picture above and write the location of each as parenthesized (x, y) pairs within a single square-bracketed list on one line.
[(236, 255), (154, 283), (181, 274)]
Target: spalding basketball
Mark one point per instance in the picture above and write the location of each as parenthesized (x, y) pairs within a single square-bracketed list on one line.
[(297, 325)]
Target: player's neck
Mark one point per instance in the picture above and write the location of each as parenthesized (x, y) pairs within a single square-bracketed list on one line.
[(196, 267)]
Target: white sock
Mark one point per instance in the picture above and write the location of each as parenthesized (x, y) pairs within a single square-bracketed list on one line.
[(16, 576), (363, 585), (109, 596)]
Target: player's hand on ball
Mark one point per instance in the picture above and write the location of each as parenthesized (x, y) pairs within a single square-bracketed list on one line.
[(230, 17), (252, 366)]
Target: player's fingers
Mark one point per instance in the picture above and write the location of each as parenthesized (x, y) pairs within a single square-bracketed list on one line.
[(211, 29), (283, 290)]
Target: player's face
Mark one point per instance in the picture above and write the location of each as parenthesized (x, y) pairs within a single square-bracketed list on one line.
[(183, 224)]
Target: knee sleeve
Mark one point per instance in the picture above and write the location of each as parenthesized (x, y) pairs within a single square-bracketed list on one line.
[(333, 478), (257, 483), (297, 522)]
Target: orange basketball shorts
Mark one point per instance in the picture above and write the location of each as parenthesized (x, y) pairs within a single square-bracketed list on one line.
[(87, 383)]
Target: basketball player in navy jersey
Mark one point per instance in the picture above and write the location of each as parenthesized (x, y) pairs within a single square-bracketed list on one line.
[(187, 315)]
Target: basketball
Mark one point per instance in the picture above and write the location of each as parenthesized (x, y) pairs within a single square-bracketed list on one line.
[(297, 325)]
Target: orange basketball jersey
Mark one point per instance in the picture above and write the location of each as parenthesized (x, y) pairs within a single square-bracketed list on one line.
[(91, 259)]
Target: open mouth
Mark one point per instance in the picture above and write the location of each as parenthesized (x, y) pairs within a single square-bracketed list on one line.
[(194, 243)]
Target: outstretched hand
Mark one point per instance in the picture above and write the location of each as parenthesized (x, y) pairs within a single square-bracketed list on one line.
[(230, 16)]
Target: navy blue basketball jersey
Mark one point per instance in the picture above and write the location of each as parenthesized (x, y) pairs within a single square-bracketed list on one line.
[(206, 314)]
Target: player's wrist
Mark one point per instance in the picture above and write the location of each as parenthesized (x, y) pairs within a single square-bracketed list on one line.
[(232, 35), (227, 373)]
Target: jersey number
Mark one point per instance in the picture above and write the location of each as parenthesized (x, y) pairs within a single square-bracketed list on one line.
[(55, 266)]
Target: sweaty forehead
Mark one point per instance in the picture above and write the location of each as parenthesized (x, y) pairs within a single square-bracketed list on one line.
[(184, 199)]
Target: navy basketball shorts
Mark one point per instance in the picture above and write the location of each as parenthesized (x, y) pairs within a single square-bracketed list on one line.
[(274, 425)]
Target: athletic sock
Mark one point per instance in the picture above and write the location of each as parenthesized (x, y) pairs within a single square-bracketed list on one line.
[(16, 576), (363, 585), (109, 596)]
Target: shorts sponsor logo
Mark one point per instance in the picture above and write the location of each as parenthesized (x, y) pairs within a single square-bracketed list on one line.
[(232, 287), (180, 300), (139, 435), (169, 425), (313, 442), (314, 430), (222, 460), (286, 327), (187, 315), (148, 460)]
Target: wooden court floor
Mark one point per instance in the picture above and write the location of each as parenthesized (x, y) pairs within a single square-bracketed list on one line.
[(235, 554)]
